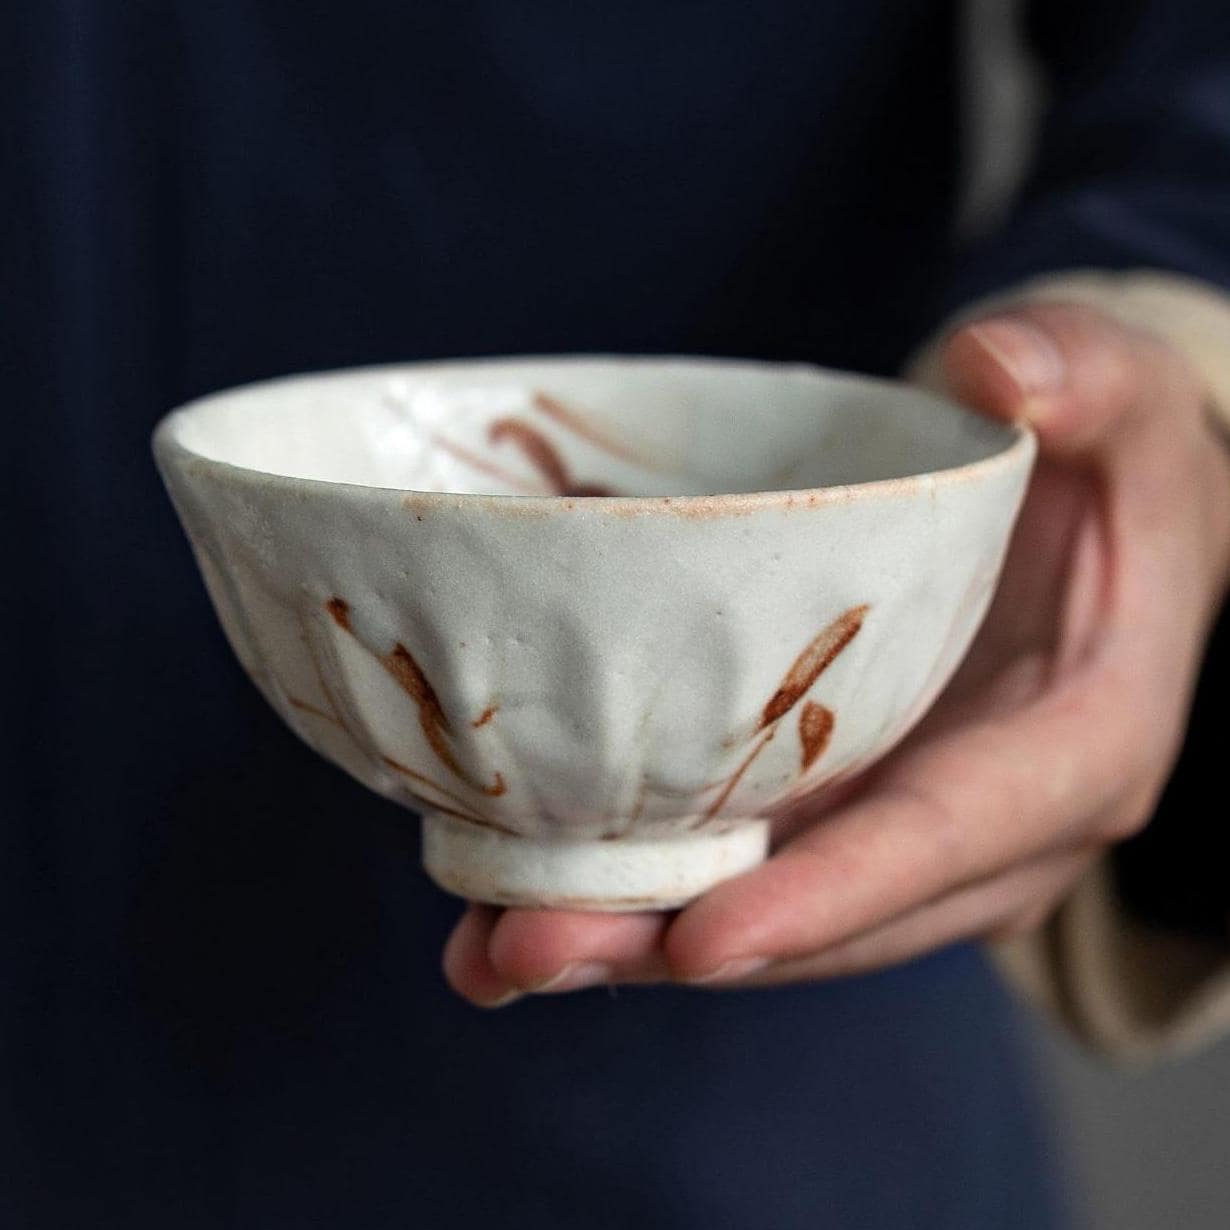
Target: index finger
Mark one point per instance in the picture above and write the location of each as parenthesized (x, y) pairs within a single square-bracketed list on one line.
[(954, 810)]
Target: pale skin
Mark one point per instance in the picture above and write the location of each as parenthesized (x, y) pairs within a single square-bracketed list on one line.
[(1053, 742)]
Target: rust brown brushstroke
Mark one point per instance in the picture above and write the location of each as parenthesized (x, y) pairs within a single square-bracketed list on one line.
[(415, 776), (334, 719), (579, 489), (815, 730), (476, 462), (333, 713), (487, 714), (816, 721), (812, 663), (460, 811), (539, 451), (565, 416), (543, 456), (417, 795), (433, 721), (296, 703), (321, 682), (339, 609), (733, 780)]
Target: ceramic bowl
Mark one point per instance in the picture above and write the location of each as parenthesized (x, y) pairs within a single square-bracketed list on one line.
[(597, 620)]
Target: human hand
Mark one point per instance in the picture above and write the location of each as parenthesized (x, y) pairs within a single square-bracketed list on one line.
[(1053, 741)]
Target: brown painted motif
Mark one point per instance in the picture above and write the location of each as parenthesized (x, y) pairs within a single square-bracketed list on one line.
[(540, 452), (304, 707), (812, 663), (816, 721), (433, 721), (484, 821), (728, 786), (484, 466), (565, 416), (543, 456), (339, 609), (816, 724)]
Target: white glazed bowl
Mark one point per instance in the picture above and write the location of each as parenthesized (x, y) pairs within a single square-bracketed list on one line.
[(595, 702)]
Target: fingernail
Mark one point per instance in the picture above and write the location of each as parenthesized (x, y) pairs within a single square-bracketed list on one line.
[(509, 997), (729, 971), (1026, 352), (576, 977)]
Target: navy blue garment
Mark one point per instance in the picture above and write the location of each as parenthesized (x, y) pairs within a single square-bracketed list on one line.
[(219, 978)]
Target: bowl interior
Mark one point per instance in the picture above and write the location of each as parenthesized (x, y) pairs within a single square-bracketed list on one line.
[(629, 427)]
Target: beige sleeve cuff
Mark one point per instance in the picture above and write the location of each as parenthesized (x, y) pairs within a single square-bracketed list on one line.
[(1133, 992), (1129, 991)]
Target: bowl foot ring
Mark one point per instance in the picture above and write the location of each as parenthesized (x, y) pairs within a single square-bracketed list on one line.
[(626, 874)]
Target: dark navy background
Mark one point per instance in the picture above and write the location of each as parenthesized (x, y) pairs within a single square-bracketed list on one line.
[(221, 998)]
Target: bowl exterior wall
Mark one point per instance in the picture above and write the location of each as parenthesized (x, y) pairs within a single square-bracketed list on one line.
[(585, 668)]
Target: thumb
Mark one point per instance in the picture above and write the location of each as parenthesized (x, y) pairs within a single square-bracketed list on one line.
[(1082, 380)]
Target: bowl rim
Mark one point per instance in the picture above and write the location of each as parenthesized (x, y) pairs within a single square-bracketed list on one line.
[(1019, 449)]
